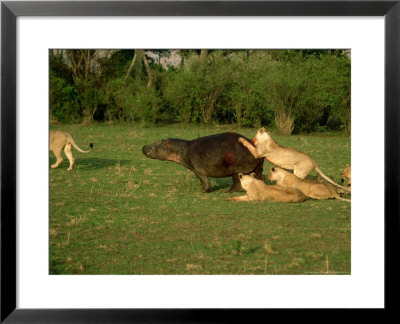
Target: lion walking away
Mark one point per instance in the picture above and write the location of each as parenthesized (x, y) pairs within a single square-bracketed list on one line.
[(62, 140)]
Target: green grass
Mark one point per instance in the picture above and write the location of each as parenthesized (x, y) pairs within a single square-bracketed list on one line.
[(121, 213)]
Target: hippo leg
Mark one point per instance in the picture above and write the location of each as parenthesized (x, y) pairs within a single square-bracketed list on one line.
[(258, 171), (205, 183), (236, 183)]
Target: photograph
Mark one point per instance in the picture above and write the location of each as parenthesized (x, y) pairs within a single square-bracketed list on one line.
[(199, 161), (167, 161)]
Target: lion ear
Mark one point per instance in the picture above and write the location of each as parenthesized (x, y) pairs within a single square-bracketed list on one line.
[(252, 174)]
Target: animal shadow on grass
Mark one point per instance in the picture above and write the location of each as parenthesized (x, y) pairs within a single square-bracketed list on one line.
[(252, 250), (91, 163), (223, 184)]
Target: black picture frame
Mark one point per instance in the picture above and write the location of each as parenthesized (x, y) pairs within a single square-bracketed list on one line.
[(9, 13)]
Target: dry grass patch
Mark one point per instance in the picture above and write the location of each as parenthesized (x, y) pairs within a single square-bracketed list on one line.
[(74, 221), (52, 232), (131, 185), (193, 267)]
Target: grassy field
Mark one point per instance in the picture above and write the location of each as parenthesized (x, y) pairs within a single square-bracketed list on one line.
[(121, 213)]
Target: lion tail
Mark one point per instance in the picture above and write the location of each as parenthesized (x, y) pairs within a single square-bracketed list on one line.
[(77, 147), (344, 199), (330, 180)]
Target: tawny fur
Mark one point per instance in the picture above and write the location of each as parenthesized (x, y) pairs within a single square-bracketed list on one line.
[(62, 140), (312, 189), (285, 157), (346, 174), (257, 190)]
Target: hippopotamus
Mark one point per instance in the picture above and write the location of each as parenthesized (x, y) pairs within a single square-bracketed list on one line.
[(216, 156)]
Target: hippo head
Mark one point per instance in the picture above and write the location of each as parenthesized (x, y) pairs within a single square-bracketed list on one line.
[(160, 150)]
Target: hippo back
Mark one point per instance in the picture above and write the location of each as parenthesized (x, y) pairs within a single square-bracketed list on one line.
[(221, 155)]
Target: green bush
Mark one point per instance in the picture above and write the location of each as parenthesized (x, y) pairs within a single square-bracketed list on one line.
[(64, 101), (131, 101), (194, 90), (293, 90), (304, 89)]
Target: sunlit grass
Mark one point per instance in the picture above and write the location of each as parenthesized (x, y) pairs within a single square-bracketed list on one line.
[(121, 213)]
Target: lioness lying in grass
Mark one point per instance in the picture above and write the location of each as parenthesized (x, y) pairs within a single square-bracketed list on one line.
[(312, 189), (257, 190)]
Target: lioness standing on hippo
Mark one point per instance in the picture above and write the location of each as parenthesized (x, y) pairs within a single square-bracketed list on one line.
[(62, 140), (216, 156), (285, 157)]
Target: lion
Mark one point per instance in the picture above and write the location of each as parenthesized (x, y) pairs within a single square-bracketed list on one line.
[(257, 190), (62, 140), (285, 157), (346, 174), (311, 189)]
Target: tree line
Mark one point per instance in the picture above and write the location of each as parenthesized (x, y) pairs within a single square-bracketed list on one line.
[(292, 90)]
